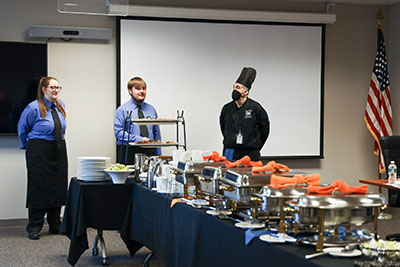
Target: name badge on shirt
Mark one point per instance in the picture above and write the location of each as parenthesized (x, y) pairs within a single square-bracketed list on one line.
[(239, 138)]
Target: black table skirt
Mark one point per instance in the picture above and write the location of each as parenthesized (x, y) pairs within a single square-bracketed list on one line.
[(184, 236), (99, 205)]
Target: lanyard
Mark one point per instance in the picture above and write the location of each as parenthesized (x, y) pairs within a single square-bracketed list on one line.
[(236, 115)]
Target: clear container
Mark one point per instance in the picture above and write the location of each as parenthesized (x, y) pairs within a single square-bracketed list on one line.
[(392, 173)]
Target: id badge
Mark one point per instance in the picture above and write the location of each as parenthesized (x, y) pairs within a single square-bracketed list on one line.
[(239, 138)]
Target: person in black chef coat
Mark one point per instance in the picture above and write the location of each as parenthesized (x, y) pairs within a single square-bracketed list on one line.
[(244, 122), (41, 130)]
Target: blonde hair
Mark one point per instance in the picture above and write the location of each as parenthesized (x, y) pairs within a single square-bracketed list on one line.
[(44, 82), (137, 82)]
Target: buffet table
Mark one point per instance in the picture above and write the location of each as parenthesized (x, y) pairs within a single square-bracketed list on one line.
[(99, 205), (185, 236)]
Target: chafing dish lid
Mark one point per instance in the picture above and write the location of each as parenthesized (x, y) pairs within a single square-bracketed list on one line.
[(245, 178), (288, 192), (193, 167), (340, 201)]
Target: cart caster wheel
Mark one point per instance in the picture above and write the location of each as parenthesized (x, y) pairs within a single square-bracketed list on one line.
[(95, 252), (106, 261)]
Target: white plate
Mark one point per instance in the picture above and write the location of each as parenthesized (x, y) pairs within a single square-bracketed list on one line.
[(338, 252), (94, 159), (287, 238), (93, 179), (223, 212), (272, 239), (249, 225)]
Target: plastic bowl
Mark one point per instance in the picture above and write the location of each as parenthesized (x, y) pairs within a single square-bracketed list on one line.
[(119, 177)]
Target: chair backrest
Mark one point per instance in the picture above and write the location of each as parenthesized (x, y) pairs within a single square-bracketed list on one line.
[(390, 146)]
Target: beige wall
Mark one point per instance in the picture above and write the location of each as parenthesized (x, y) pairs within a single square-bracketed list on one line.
[(87, 71)]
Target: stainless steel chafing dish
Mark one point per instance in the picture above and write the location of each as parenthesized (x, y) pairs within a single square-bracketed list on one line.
[(185, 173), (334, 210), (209, 180), (338, 209), (239, 185), (272, 202), (272, 197)]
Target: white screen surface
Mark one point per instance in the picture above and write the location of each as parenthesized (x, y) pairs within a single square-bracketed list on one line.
[(192, 66)]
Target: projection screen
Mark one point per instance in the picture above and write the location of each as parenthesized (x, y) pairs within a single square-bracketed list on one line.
[(191, 65)]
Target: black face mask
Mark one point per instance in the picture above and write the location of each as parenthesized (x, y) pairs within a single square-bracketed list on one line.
[(236, 95)]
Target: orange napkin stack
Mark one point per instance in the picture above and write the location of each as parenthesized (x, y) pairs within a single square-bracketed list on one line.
[(271, 166), (246, 161), (339, 186), (215, 156), (280, 182)]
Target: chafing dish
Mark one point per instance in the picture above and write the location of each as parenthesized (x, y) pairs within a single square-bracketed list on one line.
[(185, 173), (338, 209), (272, 202), (209, 180), (334, 210), (271, 197), (240, 184)]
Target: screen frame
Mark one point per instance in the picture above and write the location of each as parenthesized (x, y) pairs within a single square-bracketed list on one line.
[(245, 22)]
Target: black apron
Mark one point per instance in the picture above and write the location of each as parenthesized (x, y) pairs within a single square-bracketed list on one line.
[(47, 174)]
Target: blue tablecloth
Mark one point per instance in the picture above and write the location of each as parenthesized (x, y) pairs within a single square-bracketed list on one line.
[(185, 236)]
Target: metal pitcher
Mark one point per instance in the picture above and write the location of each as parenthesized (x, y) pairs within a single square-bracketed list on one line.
[(140, 162)]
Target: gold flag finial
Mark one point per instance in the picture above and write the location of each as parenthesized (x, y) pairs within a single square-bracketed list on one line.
[(379, 16)]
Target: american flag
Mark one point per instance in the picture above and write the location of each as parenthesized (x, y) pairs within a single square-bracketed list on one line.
[(378, 113)]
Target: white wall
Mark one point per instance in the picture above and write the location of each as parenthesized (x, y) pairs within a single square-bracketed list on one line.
[(394, 62), (87, 71)]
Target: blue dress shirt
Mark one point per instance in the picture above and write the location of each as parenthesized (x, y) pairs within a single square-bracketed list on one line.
[(122, 112), (32, 125)]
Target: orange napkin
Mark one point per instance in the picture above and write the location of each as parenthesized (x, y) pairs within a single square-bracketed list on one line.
[(176, 200), (215, 156), (271, 166), (245, 161), (280, 182), (339, 186)]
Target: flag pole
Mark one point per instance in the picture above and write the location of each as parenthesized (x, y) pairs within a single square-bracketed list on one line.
[(379, 173), (379, 17)]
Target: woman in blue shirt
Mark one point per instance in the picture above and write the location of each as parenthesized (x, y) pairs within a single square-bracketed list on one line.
[(41, 130)]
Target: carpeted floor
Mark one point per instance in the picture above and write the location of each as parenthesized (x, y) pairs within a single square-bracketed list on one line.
[(51, 250)]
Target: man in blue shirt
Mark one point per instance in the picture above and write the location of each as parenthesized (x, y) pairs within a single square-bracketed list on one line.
[(126, 132)]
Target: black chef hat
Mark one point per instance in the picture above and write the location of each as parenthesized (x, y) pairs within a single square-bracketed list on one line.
[(247, 77)]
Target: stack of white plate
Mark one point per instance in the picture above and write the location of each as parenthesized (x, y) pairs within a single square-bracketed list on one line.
[(92, 168)]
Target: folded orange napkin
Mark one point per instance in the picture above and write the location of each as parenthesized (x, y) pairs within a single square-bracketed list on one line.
[(271, 166), (280, 182), (339, 186), (176, 200), (245, 161), (215, 156)]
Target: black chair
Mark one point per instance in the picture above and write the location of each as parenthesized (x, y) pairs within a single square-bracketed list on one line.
[(390, 146)]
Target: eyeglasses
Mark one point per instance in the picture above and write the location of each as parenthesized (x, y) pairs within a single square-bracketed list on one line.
[(59, 88)]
